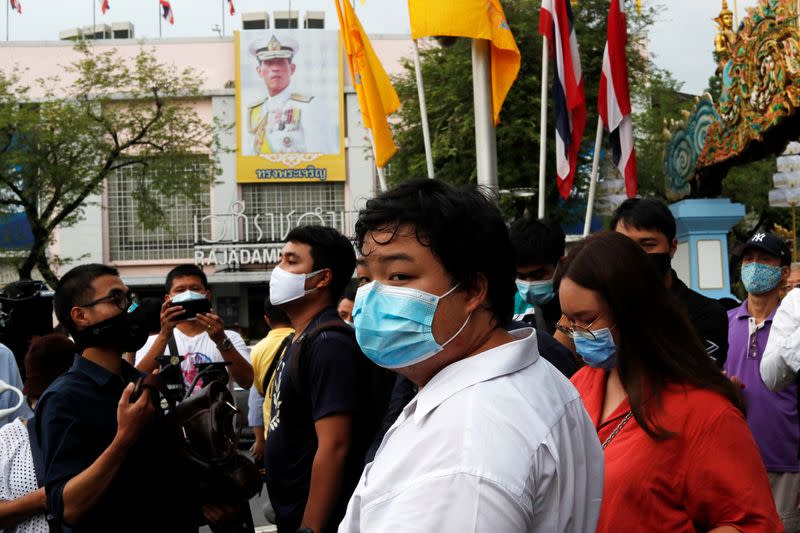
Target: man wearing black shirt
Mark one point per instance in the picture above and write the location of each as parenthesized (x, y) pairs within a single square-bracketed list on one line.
[(538, 247), (323, 417), (100, 452), (650, 223)]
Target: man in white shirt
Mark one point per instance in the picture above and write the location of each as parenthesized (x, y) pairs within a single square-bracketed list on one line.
[(202, 339), (287, 120), (781, 360), (496, 439)]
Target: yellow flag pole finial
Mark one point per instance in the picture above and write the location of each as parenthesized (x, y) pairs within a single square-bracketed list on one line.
[(639, 6)]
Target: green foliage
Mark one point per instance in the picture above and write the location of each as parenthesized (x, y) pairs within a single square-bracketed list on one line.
[(447, 73), (57, 149)]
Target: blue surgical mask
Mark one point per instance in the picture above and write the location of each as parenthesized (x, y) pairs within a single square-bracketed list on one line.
[(759, 278), (393, 324), (536, 292), (600, 352)]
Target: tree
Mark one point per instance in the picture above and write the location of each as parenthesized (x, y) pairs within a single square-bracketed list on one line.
[(448, 84), (58, 148)]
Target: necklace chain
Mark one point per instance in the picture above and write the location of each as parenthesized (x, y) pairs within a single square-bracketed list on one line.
[(617, 429)]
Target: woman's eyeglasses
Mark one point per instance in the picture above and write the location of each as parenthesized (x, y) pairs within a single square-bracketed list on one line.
[(574, 330)]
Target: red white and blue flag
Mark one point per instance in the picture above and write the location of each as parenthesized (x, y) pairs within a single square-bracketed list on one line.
[(233, 10), (614, 101), (556, 24), (166, 11), (104, 7), (16, 5)]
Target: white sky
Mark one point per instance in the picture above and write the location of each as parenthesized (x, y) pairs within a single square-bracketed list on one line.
[(681, 41)]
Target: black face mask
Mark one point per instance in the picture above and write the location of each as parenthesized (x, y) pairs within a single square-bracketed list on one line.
[(663, 263), (120, 332)]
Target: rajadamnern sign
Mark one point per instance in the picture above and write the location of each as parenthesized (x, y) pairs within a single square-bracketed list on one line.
[(237, 238), (289, 106)]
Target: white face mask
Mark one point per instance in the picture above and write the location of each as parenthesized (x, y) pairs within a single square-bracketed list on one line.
[(286, 287)]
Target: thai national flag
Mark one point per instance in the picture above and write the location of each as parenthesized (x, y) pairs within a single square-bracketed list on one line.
[(15, 4), (614, 101), (166, 11), (104, 7), (233, 11), (556, 24)]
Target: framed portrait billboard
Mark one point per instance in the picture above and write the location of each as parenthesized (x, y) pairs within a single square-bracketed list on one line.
[(289, 106)]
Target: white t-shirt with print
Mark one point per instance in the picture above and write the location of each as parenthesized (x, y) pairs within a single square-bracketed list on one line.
[(197, 349)]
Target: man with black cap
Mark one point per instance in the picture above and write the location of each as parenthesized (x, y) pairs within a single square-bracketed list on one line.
[(772, 416), (286, 121)]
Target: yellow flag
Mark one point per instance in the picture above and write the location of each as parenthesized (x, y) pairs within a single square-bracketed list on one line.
[(478, 19), (376, 96)]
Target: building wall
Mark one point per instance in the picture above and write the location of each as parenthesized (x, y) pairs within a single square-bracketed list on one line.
[(238, 292)]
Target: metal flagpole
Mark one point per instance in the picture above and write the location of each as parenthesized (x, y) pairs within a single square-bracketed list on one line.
[(8, 15), (485, 139), (381, 174), (94, 21), (159, 20), (423, 110), (598, 142), (223, 17), (543, 126)]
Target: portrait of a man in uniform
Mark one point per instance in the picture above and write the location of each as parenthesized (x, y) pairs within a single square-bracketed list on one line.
[(285, 117)]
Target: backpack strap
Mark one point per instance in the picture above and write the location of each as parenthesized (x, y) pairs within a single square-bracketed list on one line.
[(36, 452), (172, 345), (306, 341), (287, 340)]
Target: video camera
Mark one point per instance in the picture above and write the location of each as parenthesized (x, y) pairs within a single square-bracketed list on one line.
[(26, 309)]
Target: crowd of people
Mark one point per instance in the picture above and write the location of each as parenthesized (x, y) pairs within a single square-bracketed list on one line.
[(439, 372)]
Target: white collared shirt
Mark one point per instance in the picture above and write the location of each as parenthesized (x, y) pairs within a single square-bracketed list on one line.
[(495, 442), (781, 360)]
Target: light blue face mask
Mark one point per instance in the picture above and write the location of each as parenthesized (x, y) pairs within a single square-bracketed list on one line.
[(393, 324), (536, 292), (600, 352), (759, 278)]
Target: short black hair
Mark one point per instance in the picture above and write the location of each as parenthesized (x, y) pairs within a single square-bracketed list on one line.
[(350, 290), (329, 249), (75, 289), (275, 314), (646, 214), (463, 228), (183, 271), (537, 241)]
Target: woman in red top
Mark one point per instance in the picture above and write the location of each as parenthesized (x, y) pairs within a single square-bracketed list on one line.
[(679, 456)]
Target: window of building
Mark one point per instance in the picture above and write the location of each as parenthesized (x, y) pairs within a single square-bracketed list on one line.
[(129, 240), (290, 201)]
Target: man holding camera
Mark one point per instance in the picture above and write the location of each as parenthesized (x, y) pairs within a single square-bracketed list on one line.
[(201, 338)]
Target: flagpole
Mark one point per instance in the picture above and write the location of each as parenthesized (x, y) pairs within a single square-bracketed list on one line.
[(94, 21), (381, 174), (222, 2), (423, 110), (159, 20), (8, 15), (543, 126), (485, 139), (598, 142)]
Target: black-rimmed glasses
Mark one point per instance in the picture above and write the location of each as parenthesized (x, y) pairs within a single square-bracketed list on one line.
[(123, 300)]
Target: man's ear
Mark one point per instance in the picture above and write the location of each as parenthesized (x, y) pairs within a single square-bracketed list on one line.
[(294, 67), (326, 277), (79, 316), (673, 247), (477, 293)]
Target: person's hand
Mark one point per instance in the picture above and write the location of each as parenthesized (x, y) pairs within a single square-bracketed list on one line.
[(257, 450), (132, 417), (169, 318), (219, 513), (214, 325), (736, 381)]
